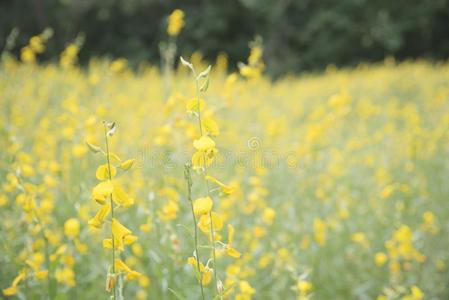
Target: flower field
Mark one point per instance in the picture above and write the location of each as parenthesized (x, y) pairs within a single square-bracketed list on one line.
[(204, 184)]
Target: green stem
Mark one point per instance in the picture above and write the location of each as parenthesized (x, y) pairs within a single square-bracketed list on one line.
[(47, 256), (189, 197), (112, 210)]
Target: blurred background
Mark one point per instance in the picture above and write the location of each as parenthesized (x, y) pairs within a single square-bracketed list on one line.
[(303, 35)]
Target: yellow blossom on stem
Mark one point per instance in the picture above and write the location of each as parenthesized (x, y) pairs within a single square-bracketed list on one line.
[(202, 206)]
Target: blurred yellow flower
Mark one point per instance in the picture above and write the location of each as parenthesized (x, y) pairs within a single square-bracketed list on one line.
[(175, 22), (72, 228)]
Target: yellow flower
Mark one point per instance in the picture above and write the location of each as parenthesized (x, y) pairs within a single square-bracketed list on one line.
[(194, 105), (268, 215), (98, 220), (169, 211), (226, 189), (126, 165), (37, 44), (122, 235), (416, 294), (246, 288), (12, 290), (144, 281), (122, 267), (79, 150), (72, 228), (102, 191), (200, 160), (320, 229), (210, 126), (65, 276), (229, 249), (380, 258), (118, 65), (206, 272), (204, 144), (103, 172), (35, 261), (120, 197), (202, 206), (204, 222), (304, 287), (40, 275), (146, 227), (27, 55), (175, 22), (360, 238)]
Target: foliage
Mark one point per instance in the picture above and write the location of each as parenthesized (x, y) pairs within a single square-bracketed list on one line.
[(299, 35)]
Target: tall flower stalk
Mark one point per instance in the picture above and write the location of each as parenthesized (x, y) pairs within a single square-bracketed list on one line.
[(209, 221), (110, 195), (107, 132)]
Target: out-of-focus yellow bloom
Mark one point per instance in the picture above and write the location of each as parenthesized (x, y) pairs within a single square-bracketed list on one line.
[(146, 227), (320, 229), (360, 238), (246, 291), (304, 288), (65, 276), (69, 56), (79, 150), (429, 223), (268, 215), (204, 144), (37, 44), (175, 22), (27, 55), (118, 65), (72, 228), (169, 211), (126, 165), (13, 289), (380, 258), (228, 248), (195, 105), (210, 126), (41, 275), (416, 294)]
